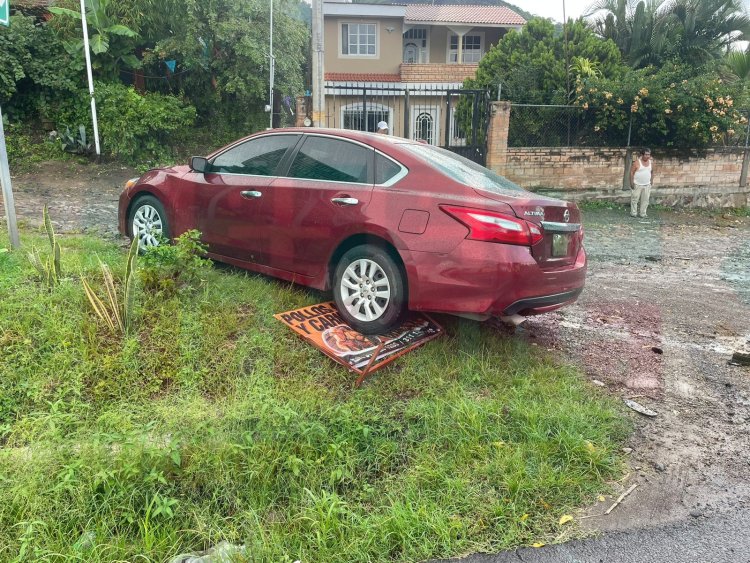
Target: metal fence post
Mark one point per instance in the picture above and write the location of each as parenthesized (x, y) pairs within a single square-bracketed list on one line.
[(364, 108), (628, 158), (407, 122), (746, 156)]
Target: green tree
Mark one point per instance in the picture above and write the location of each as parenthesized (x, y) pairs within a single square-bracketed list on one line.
[(531, 64), (221, 49), (35, 67), (676, 105), (630, 24), (698, 31), (651, 32)]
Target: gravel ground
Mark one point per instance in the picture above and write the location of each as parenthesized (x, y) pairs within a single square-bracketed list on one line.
[(666, 304), (81, 197)]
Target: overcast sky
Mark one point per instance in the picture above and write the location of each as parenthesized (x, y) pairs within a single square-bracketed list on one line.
[(553, 8)]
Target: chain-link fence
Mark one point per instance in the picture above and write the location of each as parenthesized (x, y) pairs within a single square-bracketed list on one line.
[(573, 126)]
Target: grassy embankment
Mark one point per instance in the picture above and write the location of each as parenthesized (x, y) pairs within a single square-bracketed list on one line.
[(211, 421)]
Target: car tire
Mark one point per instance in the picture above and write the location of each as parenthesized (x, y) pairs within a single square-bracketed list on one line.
[(369, 289), (147, 220)]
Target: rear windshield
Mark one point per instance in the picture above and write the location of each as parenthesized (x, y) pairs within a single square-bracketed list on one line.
[(462, 169)]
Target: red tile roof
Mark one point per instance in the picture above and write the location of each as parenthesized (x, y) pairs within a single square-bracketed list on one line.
[(497, 15), (362, 77)]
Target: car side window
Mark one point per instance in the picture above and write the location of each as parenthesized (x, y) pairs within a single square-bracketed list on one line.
[(385, 169), (259, 156), (334, 160)]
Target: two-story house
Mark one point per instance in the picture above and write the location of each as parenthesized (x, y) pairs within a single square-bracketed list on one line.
[(396, 63)]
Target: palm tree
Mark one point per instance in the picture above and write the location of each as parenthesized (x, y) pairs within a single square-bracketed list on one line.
[(698, 31), (631, 24), (651, 31), (738, 64)]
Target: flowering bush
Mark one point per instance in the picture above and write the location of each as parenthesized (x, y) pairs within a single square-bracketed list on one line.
[(671, 107)]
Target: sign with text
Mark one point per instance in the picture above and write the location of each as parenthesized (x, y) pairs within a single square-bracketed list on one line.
[(322, 326), (5, 12)]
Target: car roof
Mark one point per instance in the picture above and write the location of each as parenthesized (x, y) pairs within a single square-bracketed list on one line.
[(362, 136), (378, 141)]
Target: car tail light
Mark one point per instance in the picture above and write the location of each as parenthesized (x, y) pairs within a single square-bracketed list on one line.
[(495, 227)]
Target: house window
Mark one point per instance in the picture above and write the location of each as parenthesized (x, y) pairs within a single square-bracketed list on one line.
[(358, 39), (415, 45), (354, 118), (472, 48)]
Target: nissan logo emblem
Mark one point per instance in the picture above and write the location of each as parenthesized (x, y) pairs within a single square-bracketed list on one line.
[(566, 216)]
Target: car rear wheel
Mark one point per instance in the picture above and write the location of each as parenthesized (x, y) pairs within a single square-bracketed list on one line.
[(148, 222), (369, 289)]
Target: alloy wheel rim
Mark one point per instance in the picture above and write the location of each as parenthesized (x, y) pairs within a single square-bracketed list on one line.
[(147, 226), (365, 290)]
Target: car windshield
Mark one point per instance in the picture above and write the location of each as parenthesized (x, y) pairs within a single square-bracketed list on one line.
[(462, 169)]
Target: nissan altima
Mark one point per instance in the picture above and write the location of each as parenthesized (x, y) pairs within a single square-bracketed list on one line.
[(386, 224)]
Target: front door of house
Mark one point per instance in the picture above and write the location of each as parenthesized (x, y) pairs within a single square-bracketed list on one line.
[(425, 123)]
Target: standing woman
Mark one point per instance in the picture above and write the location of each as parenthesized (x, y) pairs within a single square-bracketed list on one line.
[(641, 178)]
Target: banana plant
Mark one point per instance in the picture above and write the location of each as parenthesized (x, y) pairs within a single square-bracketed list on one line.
[(106, 37)]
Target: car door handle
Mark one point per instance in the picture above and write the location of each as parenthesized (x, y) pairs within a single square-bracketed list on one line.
[(345, 201), (251, 194)]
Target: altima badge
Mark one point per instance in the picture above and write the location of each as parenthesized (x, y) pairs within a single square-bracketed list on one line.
[(539, 213)]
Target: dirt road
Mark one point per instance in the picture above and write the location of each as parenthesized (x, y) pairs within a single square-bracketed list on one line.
[(667, 302)]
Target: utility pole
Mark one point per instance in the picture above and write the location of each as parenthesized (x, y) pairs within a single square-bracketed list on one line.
[(271, 71), (318, 49), (90, 77)]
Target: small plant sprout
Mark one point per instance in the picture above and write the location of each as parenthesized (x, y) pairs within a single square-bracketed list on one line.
[(48, 268)]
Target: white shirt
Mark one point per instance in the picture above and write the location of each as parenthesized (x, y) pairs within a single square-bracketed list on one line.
[(642, 176)]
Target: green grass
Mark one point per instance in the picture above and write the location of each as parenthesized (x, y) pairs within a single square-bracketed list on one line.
[(212, 421)]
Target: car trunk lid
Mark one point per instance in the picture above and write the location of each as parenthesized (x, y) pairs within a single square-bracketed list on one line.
[(560, 222)]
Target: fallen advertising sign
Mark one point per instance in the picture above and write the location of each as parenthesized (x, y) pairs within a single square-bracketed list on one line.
[(321, 326)]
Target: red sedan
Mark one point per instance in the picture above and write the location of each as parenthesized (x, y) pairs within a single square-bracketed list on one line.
[(387, 224)]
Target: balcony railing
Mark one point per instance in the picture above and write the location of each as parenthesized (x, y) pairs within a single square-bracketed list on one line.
[(437, 72)]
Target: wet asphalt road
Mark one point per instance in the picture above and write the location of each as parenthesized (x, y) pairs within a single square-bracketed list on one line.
[(720, 539)]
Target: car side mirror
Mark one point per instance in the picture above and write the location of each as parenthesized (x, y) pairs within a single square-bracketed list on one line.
[(199, 164)]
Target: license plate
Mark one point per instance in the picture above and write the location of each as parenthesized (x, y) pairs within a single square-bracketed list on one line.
[(560, 245)]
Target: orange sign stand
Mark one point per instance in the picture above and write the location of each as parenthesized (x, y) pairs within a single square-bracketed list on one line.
[(322, 326)]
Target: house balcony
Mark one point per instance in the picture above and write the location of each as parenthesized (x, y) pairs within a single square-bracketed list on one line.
[(437, 72)]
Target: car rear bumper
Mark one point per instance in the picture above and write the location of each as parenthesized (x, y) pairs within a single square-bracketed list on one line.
[(537, 305), (482, 278)]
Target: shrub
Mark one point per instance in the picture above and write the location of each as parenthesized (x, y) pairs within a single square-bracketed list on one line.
[(34, 63), (115, 311), (140, 128), (25, 149), (168, 268), (674, 106)]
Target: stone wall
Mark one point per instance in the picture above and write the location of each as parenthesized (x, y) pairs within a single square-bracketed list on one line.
[(709, 177)]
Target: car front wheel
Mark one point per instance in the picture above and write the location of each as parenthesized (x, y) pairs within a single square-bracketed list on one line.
[(369, 289), (148, 222)]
